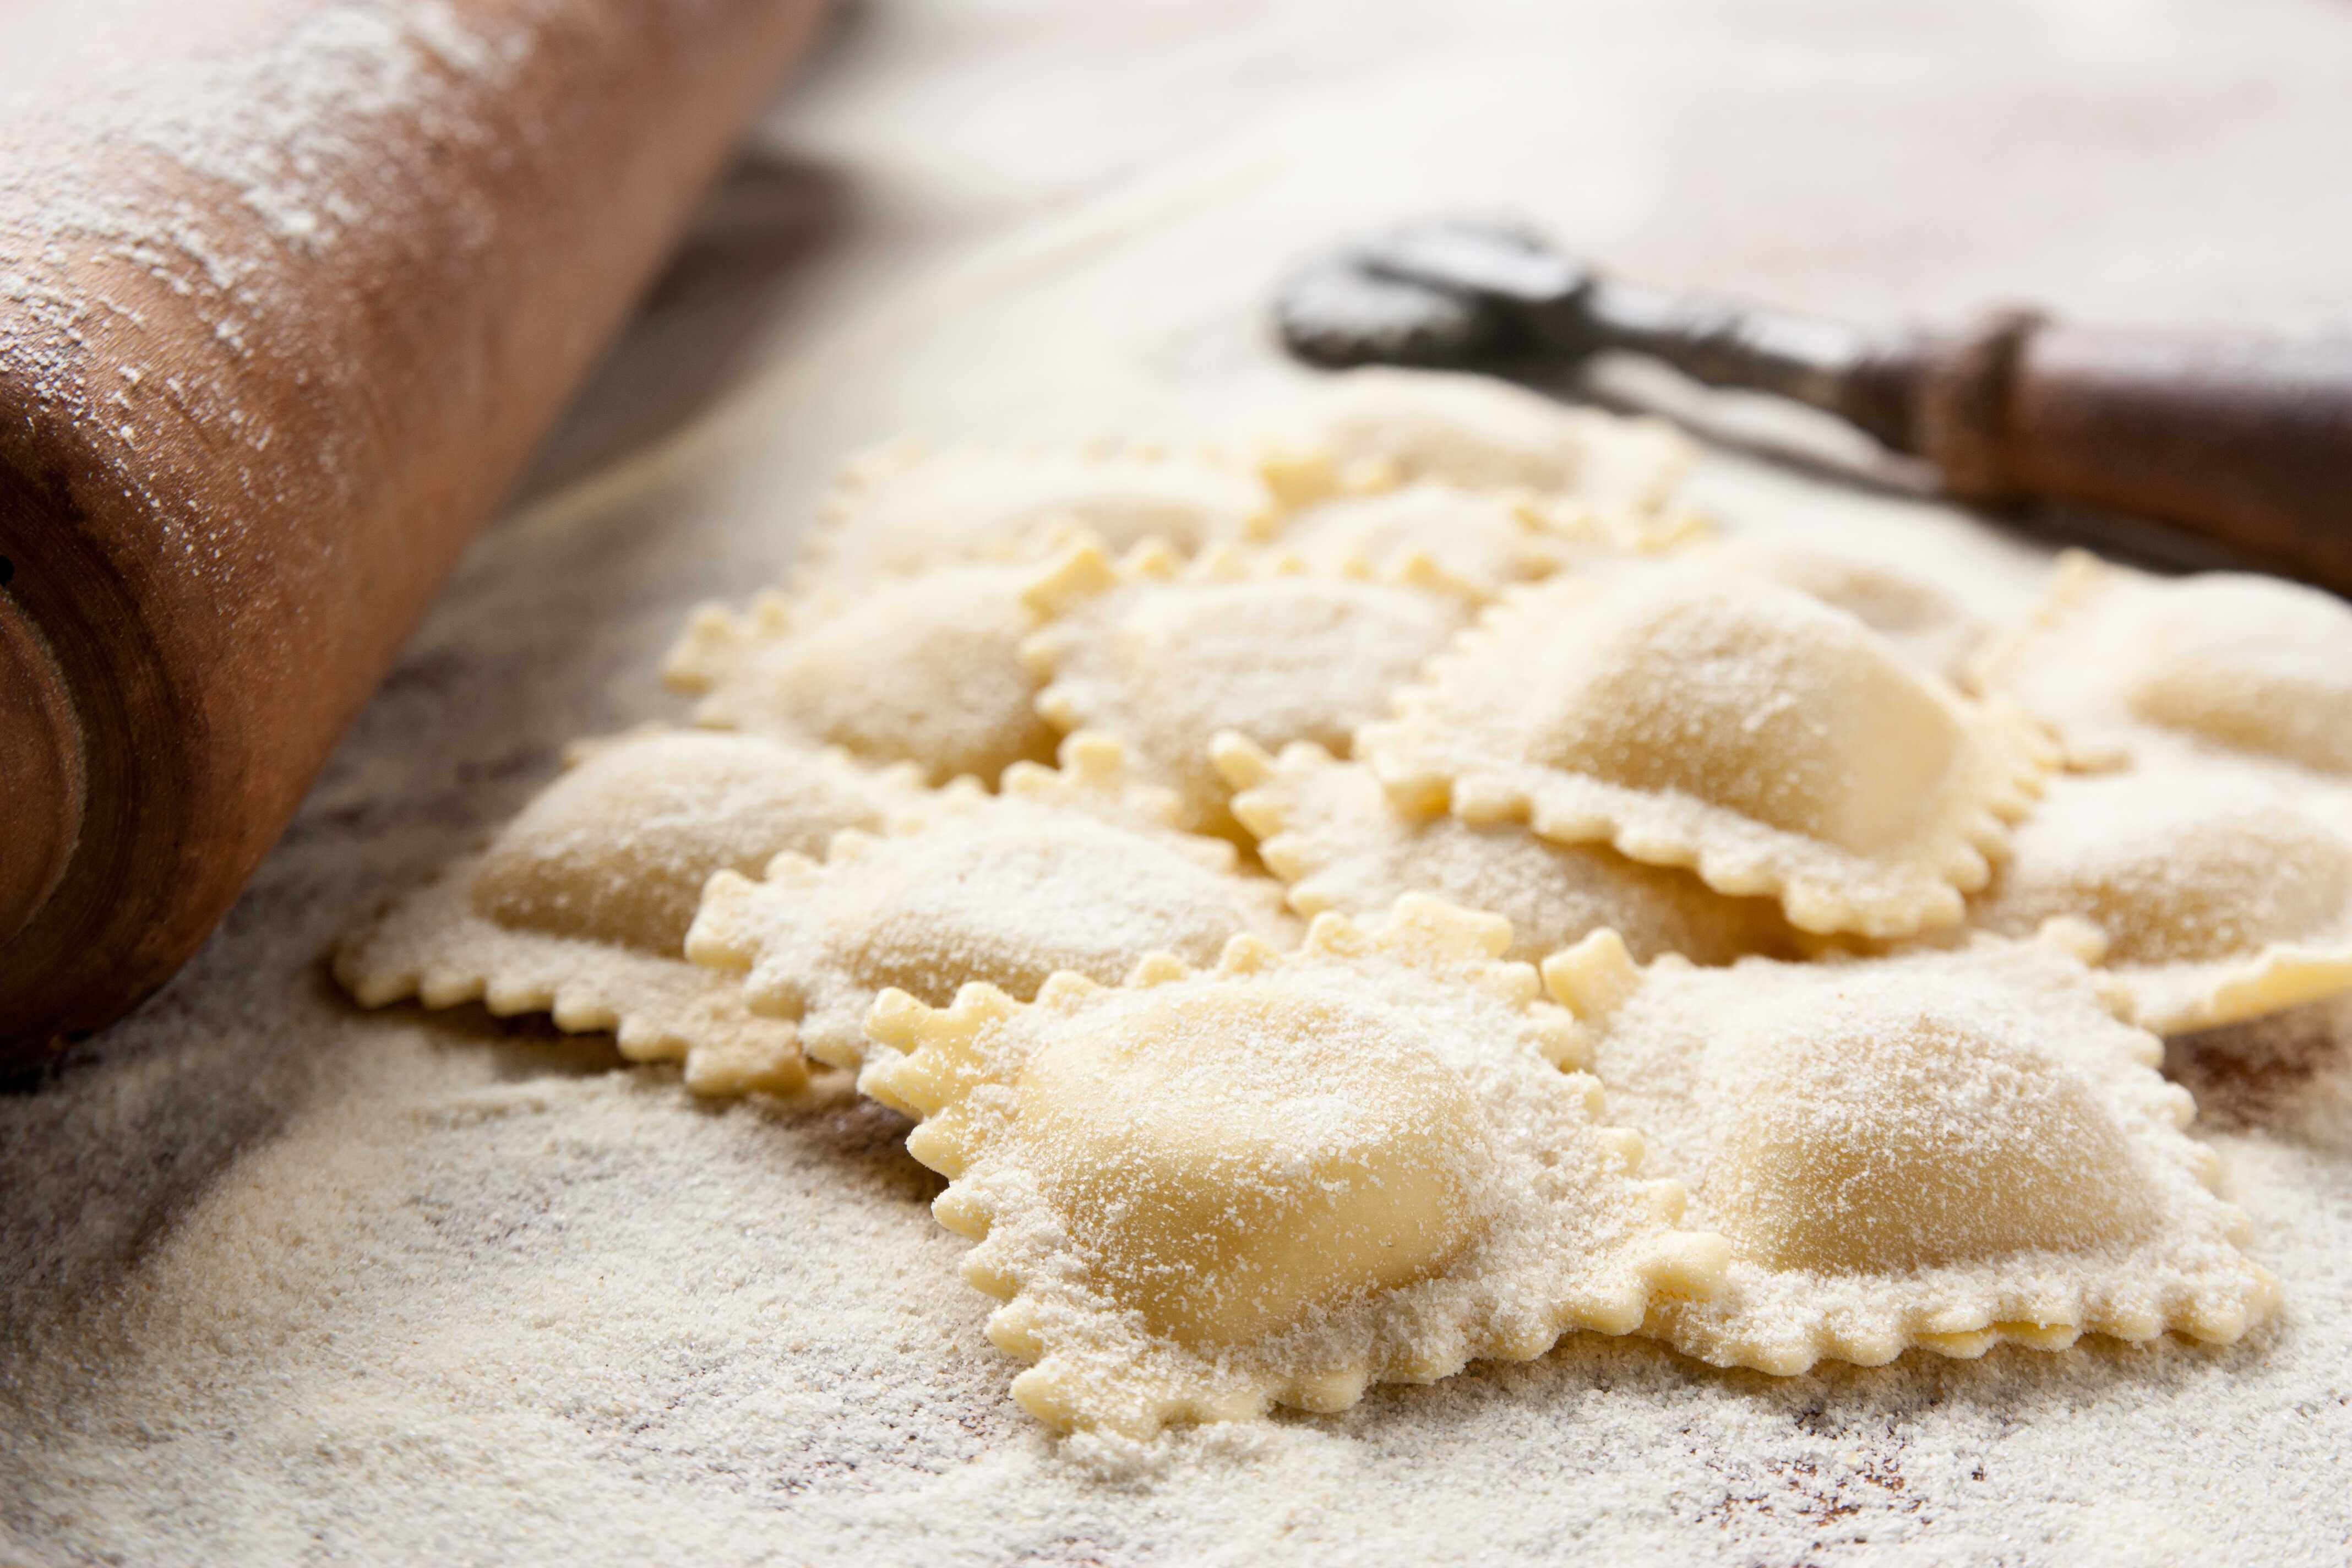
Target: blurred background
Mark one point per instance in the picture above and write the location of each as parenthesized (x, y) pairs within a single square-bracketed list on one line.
[(1140, 174)]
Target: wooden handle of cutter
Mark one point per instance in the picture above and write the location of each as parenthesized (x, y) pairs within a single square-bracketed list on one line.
[(2248, 443), (289, 291), (2245, 442)]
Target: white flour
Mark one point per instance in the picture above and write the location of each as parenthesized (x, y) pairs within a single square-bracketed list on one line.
[(577, 1317)]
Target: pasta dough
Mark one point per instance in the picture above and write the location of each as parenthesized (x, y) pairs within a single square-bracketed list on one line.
[(1484, 540), (1373, 428), (2214, 896), (1328, 829), (1167, 655), (1472, 698), (1282, 1178), (1074, 869), (2127, 666), (904, 508), (580, 907), (1899, 603), (1773, 745), (925, 669), (1947, 1149)]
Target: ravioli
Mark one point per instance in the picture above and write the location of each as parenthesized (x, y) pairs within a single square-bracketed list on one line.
[(1377, 427), (2214, 896), (1899, 601), (2126, 666), (925, 669), (1450, 664), (905, 507), (1947, 1150), (1167, 655), (1484, 540), (1328, 829), (579, 907), (1772, 743), (1283, 1178), (1073, 870)]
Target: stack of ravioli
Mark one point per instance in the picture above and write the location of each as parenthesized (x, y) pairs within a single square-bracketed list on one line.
[(1412, 893)]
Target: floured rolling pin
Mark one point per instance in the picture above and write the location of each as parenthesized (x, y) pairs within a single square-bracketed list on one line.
[(289, 291), (2248, 443)]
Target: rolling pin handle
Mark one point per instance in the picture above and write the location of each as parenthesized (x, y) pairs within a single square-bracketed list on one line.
[(43, 771), (214, 568)]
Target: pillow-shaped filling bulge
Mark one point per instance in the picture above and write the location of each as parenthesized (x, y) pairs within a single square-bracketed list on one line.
[(618, 849), (2251, 663), (1754, 698), (1231, 1164), (902, 510), (1300, 658), (1012, 907), (1908, 1143), (2177, 868)]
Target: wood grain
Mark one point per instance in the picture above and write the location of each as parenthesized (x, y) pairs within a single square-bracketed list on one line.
[(236, 470)]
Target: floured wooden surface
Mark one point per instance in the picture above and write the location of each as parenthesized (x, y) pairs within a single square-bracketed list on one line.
[(279, 1280)]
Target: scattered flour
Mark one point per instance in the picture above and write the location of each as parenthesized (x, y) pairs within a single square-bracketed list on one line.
[(494, 1299)]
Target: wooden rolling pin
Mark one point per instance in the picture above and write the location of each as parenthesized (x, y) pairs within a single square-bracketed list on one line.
[(2247, 443), (289, 291)]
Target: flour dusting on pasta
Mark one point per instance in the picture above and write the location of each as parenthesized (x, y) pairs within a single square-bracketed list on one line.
[(1855, 908)]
